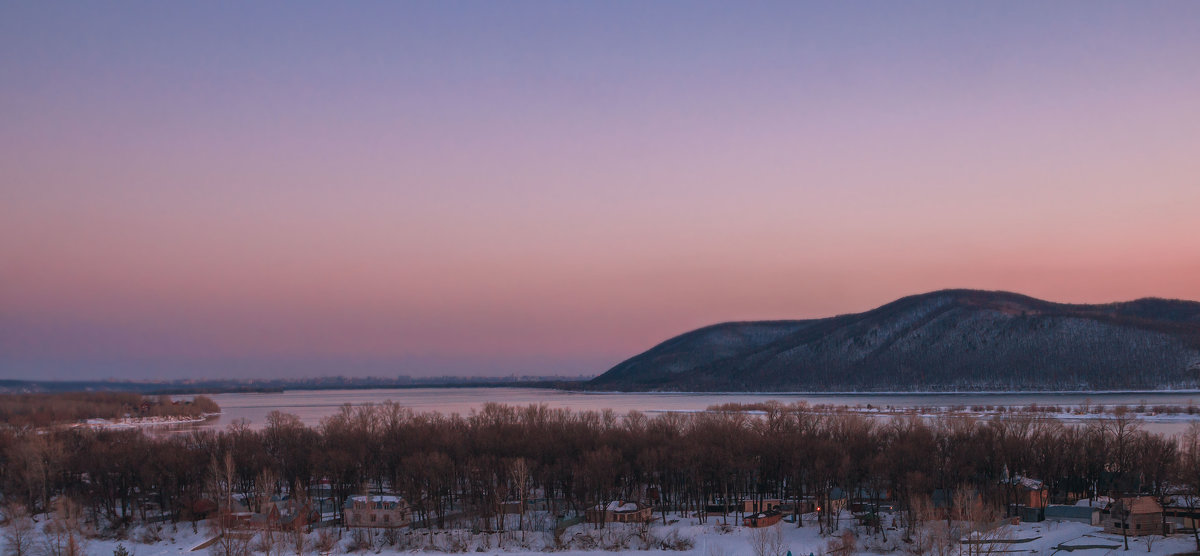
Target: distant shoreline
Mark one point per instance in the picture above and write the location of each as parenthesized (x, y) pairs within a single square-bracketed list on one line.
[(270, 387), (568, 388), (892, 392), (577, 386)]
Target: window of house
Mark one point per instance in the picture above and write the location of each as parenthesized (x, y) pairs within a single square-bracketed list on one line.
[(373, 516), (387, 517)]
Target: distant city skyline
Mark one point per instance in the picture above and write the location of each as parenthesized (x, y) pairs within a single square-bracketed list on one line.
[(428, 188)]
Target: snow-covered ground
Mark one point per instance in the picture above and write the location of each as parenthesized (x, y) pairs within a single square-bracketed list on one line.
[(709, 539)]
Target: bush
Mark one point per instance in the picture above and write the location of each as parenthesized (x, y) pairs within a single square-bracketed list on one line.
[(674, 541), (325, 541), (361, 540)]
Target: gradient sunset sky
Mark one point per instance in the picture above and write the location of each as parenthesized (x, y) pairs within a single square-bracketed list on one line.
[(237, 189)]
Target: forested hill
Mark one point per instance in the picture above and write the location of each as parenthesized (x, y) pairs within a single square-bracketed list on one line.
[(944, 340)]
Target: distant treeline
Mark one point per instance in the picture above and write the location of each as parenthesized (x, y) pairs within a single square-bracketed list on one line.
[(40, 410), (217, 386), (456, 469)]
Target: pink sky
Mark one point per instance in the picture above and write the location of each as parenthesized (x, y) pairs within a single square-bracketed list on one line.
[(557, 206)]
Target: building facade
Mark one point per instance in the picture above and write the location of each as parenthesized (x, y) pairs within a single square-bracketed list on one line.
[(377, 511)]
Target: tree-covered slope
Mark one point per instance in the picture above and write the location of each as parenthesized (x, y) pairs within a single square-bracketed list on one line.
[(945, 340)]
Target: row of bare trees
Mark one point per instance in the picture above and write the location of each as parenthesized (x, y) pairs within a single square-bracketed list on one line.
[(453, 468)]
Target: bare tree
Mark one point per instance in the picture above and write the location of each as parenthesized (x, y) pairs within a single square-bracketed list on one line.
[(979, 525), (518, 471), (228, 540), (1189, 473), (768, 541), (265, 485), (297, 530), (19, 532), (842, 545), (66, 534)]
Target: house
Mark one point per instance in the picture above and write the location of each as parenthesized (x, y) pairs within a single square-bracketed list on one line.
[(280, 513), (837, 499), (762, 519), (1032, 493), (376, 510), (287, 513), (236, 513), (1183, 512), (1081, 514), (718, 505), (619, 511), (1029, 499), (1145, 517), (943, 501), (868, 499), (759, 506), (805, 506), (200, 508)]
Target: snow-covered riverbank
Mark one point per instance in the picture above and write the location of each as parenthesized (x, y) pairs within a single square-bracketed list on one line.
[(138, 422)]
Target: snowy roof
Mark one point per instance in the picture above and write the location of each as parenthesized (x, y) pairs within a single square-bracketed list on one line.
[(384, 501), (1031, 484), (378, 498), (1026, 482), (620, 506), (1141, 505), (1062, 512), (1184, 501)]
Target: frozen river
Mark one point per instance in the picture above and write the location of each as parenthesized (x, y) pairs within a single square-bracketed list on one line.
[(313, 405)]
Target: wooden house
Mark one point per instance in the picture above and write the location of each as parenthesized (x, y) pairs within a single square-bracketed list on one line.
[(1136, 516), (619, 511)]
